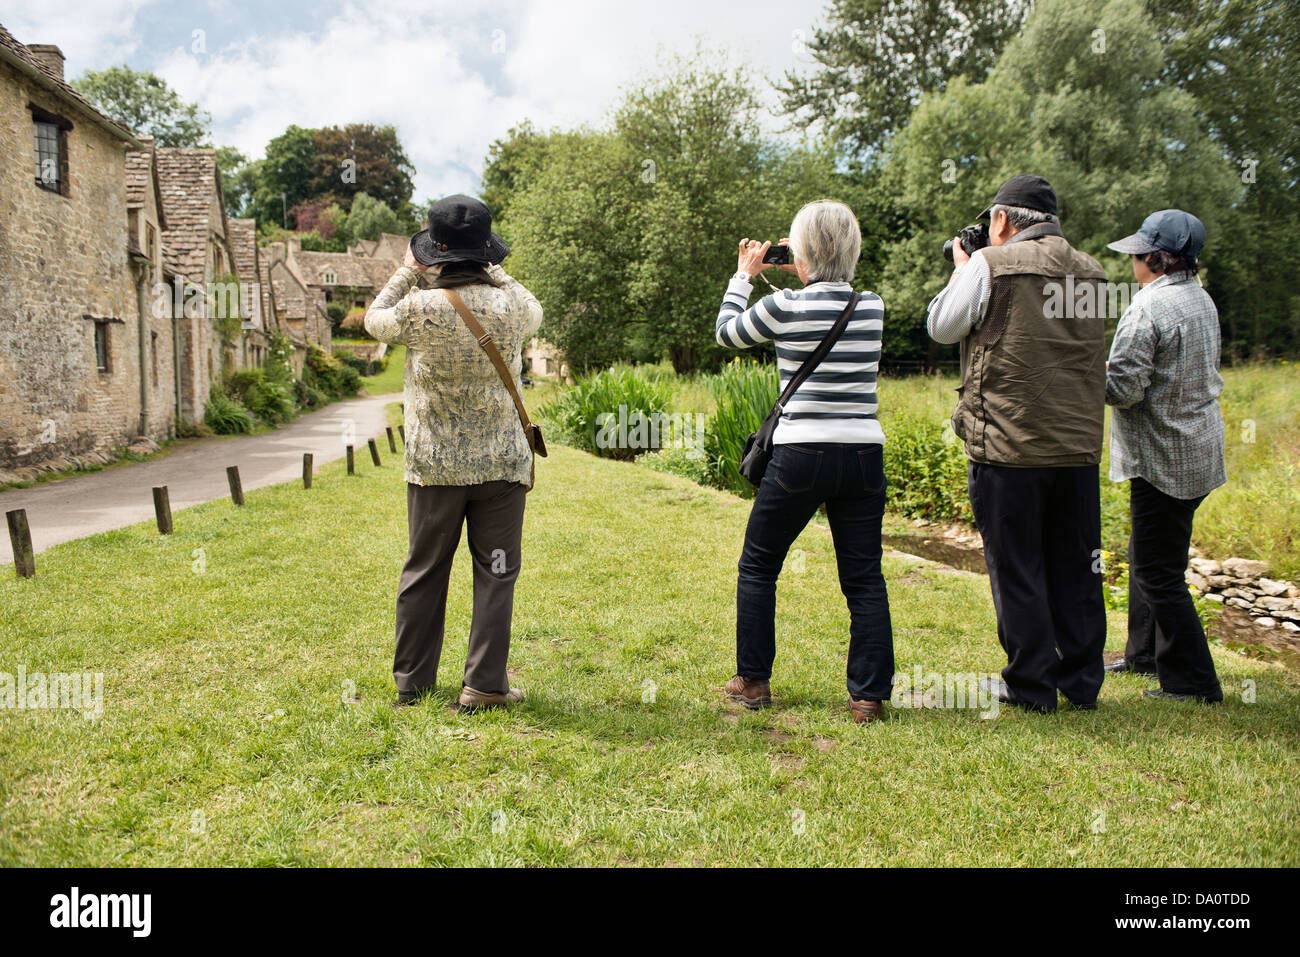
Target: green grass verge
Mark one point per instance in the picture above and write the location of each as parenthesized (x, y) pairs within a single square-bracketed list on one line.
[(247, 722), (390, 380)]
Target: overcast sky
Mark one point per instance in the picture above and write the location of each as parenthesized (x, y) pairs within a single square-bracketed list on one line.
[(451, 76)]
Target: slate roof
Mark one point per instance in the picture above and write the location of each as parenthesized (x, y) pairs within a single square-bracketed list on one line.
[(187, 179), (349, 270), (391, 246), (242, 234), (22, 59), (140, 179)]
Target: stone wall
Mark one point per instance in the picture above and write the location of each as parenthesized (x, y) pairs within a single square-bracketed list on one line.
[(62, 257), (1243, 583)]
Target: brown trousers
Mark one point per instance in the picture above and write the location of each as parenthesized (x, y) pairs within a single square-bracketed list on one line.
[(494, 512)]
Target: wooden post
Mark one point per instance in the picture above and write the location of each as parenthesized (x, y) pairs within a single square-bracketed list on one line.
[(351, 464), (392, 444), (374, 452), (20, 536), (306, 469), (236, 486), (401, 430), (162, 507)]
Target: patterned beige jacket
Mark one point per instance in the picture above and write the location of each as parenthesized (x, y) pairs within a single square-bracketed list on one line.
[(461, 425)]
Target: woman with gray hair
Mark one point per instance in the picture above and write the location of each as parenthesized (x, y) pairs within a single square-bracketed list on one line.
[(827, 450)]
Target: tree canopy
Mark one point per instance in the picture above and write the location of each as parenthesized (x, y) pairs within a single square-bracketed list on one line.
[(627, 233), (146, 104)]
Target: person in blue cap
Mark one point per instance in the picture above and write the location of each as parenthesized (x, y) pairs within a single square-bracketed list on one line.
[(1167, 439)]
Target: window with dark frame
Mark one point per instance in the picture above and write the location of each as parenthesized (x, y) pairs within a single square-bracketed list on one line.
[(150, 240), (153, 345), (49, 157), (49, 136), (101, 345)]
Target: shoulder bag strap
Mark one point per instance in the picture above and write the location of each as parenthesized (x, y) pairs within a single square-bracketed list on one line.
[(818, 354), (490, 347)]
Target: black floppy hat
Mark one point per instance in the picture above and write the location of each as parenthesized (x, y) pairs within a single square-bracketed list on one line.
[(1028, 191), (460, 230)]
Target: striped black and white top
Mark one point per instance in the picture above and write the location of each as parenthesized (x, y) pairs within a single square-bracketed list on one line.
[(837, 403)]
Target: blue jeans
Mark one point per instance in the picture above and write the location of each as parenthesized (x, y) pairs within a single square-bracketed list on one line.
[(850, 480)]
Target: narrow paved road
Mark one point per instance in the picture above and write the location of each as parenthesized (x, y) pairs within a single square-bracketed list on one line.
[(86, 504)]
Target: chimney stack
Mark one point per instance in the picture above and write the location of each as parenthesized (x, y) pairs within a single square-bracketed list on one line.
[(50, 56)]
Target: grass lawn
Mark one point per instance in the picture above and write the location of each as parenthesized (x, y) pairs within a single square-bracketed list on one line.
[(390, 380), (247, 685)]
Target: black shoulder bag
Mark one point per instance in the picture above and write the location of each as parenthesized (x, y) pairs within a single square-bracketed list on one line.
[(758, 449)]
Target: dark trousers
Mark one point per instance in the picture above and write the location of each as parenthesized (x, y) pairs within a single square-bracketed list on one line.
[(494, 512), (1042, 544), (850, 480), (1164, 630)]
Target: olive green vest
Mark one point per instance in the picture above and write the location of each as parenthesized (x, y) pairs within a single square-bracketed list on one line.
[(1033, 374)]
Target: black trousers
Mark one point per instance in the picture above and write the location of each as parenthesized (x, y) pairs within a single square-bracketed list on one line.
[(1042, 545), (1164, 630), (850, 480)]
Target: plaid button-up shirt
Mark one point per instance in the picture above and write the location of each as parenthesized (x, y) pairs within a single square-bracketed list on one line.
[(1163, 381)]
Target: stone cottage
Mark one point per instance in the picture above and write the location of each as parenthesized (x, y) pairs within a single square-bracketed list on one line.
[(291, 306), (220, 327), (76, 350)]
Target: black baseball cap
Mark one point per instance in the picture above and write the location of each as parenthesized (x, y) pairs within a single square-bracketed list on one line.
[(1169, 229), (1027, 190)]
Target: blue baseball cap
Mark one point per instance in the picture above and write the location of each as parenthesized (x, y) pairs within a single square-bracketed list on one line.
[(1170, 229)]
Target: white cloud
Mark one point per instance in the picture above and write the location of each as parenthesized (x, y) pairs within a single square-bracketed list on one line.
[(451, 76), (82, 29)]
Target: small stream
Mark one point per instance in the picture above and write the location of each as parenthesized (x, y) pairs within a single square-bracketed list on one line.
[(1233, 628)]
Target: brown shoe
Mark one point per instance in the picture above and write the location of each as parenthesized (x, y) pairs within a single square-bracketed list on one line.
[(750, 692), (865, 711), (472, 700)]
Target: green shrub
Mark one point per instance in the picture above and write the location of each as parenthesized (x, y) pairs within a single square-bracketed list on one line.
[(308, 396), (328, 375), (627, 394), (688, 463), (268, 399), (227, 416), (926, 468), (354, 361), (336, 312), (743, 393)]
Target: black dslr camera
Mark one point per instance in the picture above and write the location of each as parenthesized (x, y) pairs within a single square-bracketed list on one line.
[(972, 238)]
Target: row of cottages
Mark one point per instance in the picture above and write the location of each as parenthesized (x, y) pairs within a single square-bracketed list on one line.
[(117, 266), (354, 279)]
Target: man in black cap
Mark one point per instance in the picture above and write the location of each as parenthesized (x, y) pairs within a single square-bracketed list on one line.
[(1031, 412), (1167, 436)]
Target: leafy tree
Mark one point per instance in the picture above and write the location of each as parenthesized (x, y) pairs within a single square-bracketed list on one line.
[(512, 162), (876, 58), (145, 103), (282, 179), (356, 158), (1079, 97), (572, 245), (369, 217), (628, 235), (234, 185), (1240, 59)]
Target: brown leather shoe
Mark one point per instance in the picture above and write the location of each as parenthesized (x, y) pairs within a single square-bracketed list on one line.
[(750, 692), (865, 711), (472, 700)]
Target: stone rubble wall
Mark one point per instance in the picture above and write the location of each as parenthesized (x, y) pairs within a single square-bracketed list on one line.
[(1243, 583)]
